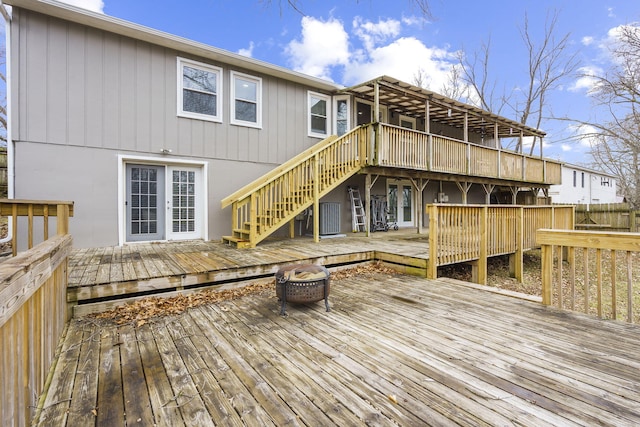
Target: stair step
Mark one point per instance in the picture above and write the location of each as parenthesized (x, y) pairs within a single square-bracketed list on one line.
[(237, 242)]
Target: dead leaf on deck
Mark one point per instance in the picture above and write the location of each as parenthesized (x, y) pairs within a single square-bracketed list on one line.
[(139, 312)]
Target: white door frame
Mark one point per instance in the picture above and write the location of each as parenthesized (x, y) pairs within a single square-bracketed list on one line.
[(202, 198), (400, 183)]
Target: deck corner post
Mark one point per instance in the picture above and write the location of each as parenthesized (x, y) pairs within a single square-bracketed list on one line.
[(62, 213), (547, 270), (432, 266), (483, 255)]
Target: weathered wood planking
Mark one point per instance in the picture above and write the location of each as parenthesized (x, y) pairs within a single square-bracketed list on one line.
[(117, 273), (394, 350)]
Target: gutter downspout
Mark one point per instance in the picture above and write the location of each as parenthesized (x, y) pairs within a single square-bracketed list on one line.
[(10, 145)]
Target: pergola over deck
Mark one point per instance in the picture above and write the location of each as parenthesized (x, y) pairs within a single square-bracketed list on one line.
[(431, 107)]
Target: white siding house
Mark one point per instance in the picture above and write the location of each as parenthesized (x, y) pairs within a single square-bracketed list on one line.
[(581, 185)]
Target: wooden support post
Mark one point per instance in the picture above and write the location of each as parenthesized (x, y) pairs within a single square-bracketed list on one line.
[(367, 203), (516, 263), (482, 261), (464, 188), (316, 199), (420, 186), (253, 219), (432, 270), (488, 189), (547, 273), (62, 225), (292, 228)]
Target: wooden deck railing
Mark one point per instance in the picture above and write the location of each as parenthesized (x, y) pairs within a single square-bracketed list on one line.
[(29, 209), (472, 233), (410, 149), (601, 273), (33, 313), (275, 199)]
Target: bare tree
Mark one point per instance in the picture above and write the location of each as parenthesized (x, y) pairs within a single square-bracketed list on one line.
[(615, 142), (297, 5), (549, 63)]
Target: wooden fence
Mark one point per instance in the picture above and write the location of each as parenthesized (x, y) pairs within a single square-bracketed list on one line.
[(607, 217), (33, 314), (472, 233), (601, 268)]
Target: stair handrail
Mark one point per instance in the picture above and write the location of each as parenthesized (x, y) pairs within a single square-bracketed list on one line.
[(290, 164)]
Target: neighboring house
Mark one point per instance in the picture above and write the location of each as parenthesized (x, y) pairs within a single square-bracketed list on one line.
[(148, 132), (581, 185)]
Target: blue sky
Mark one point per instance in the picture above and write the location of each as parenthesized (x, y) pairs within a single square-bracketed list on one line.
[(351, 41)]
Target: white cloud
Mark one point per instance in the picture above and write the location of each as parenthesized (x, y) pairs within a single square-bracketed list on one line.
[(401, 59), (586, 135), (93, 5), (373, 34), (376, 48), (566, 147), (587, 40), (587, 79), (324, 45), (248, 52)]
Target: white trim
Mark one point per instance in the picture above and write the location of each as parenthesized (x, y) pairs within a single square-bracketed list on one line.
[(181, 62), (400, 183), (336, 99), (327, 100), (162, 161), (411, 120), (232, 101), (384, 110), (9, 92)]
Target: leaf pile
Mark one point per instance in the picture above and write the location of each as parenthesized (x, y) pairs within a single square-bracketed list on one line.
[(140, 311)]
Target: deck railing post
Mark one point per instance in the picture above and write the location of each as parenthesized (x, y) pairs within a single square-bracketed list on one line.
[(62, 225), (432, 270), (547, 273), (483, 255)]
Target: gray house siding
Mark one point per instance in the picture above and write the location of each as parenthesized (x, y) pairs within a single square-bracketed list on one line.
[(85, 96)]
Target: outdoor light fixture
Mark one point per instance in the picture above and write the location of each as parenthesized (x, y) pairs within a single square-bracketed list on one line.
[(165, 150)]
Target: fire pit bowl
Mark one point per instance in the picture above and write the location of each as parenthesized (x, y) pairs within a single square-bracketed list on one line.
[(302, 284)]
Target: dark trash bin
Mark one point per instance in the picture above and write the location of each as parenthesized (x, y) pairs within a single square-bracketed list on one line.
[(302, 284)]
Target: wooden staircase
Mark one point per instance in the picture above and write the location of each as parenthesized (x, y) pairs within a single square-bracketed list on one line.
[(273, 200)]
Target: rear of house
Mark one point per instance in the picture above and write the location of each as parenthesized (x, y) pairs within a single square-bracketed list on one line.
[(147, 132)]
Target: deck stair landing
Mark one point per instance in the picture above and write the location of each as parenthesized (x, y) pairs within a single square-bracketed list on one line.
[(273, 200)]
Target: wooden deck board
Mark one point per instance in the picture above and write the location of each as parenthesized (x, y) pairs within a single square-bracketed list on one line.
[(394, 350)]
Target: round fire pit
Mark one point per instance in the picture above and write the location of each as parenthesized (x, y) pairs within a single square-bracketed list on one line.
[(302, 284)]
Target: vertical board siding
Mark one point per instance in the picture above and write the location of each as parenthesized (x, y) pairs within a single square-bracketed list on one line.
[(86, 87)]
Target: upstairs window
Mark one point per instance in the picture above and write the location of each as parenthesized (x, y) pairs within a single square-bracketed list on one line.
[(319, 115), (575, 173), (341, 108), (246, 96), (199, 90)]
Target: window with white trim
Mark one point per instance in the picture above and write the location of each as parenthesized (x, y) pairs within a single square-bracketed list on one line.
[(319, 115), (343, 116), (199, 90), (246, 98)]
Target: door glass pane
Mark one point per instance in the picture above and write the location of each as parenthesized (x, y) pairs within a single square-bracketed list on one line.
[(342, 116), (392, 202), (143, 201), (406, 203), (183, 210)]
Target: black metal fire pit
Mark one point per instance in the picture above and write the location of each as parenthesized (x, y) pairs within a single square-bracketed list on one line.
[(302, 284)]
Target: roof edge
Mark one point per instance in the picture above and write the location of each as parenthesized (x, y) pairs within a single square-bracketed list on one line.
[(181, 44)]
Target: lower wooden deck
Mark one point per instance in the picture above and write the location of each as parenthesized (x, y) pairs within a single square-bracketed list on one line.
[(394, 350), (114, 273)]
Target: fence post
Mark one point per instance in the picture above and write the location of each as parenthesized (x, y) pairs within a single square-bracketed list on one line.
[(432, 270), (62, 222)]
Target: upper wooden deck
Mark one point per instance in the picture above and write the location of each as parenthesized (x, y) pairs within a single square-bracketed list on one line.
[(394, 350)]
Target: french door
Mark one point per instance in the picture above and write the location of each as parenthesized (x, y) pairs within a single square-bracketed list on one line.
[(400, 202), (163, 202)]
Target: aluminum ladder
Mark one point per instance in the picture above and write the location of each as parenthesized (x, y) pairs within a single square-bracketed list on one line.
[(358, 216)]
